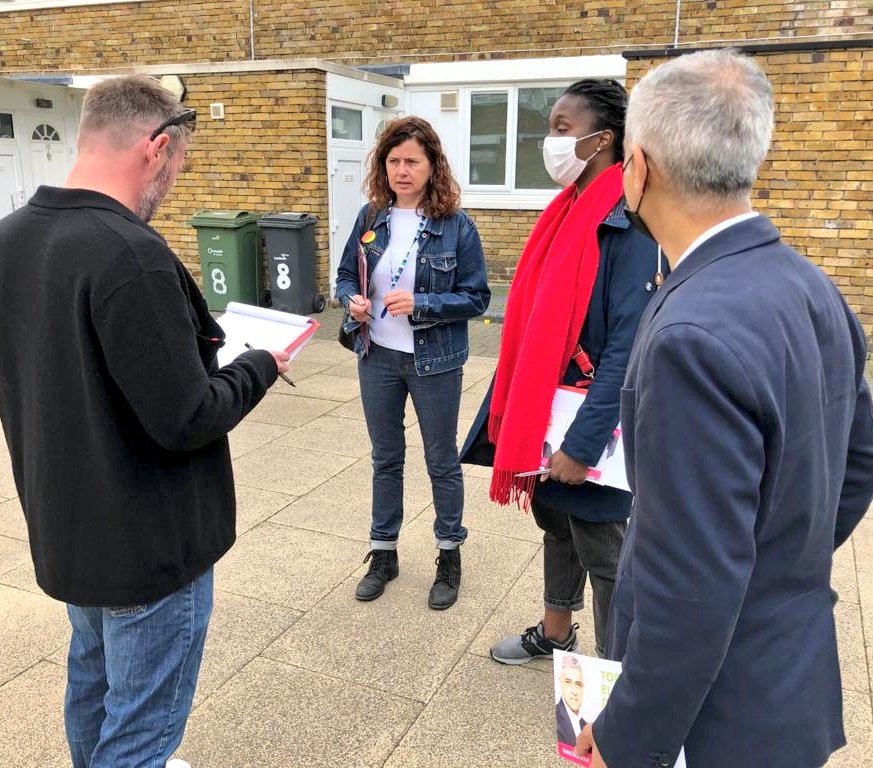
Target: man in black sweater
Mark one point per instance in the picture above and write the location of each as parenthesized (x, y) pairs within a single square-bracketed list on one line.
[(116, 415)]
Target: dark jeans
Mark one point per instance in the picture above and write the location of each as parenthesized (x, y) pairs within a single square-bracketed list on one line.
[(571, 549), (386, 377)]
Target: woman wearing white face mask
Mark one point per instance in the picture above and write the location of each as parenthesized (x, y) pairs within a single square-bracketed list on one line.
[(579, 290)]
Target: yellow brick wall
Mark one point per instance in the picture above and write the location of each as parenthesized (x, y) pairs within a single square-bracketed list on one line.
[(725, 20), (268, 155), (817, 184), (356, 31), (503, 235), (109, 36)]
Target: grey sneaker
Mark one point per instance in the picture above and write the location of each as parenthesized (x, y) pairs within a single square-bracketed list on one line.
[(531, 644)]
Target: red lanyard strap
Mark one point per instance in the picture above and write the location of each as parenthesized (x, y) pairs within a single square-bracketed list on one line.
[(580, 357)]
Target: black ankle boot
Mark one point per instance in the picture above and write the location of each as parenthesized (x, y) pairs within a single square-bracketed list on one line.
[(444, 591), (383, 568)]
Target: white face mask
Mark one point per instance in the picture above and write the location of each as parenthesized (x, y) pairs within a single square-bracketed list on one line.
[(559, 157)]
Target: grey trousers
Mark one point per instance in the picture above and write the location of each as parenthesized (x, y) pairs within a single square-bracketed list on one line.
[(572, 550)]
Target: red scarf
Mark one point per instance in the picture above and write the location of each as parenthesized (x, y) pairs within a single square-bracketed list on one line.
[(545, 310)]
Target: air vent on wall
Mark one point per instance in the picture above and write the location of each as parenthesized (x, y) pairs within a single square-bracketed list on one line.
[(449, 101), (216, 111)]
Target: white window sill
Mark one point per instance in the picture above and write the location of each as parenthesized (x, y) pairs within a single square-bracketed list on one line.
[(509, 201)]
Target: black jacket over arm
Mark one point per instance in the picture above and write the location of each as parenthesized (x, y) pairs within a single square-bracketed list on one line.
[(112, 403)]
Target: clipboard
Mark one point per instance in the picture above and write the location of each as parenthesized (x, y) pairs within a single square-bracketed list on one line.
[(609, 470), (263, 329)]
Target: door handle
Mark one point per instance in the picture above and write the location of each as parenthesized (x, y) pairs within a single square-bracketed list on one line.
[(12, 200)]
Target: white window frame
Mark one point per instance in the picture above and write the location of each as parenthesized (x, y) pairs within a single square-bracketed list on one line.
[(467, 77), (506, 194), (350, 143), (11, 6)]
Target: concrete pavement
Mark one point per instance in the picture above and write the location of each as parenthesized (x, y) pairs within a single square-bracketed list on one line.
[(297, 672)]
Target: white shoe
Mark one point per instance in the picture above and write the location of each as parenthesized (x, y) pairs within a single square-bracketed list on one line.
[(177, 763)]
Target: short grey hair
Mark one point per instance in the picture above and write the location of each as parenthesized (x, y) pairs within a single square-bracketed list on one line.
[(570, 662), (705, 119), (123, 109)]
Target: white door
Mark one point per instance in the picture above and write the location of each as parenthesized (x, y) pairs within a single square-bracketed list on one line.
[(346, 199), (50, 159), (11, 192)]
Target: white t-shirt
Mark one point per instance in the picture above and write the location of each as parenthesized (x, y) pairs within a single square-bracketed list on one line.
[(395, 332)]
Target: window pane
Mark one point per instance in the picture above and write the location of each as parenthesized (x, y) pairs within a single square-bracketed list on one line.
[(6, 131), (488, 137), (534, 105), (346, 124)]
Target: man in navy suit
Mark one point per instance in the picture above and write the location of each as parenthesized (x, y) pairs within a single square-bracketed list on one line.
[(568, 721), (749, 447)]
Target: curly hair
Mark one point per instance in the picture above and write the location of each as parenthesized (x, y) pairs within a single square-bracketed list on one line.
[(442, 195)]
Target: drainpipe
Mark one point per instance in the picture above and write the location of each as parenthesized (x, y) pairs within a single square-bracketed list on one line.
[(252, 27), (675, 31)]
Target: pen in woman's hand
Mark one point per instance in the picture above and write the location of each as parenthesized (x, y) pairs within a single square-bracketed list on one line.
[(360, 304), (282, 375)]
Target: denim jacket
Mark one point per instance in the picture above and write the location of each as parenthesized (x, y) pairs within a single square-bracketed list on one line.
[(450, 286)]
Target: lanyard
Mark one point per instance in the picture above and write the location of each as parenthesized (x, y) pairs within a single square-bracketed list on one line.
[(413, 249)]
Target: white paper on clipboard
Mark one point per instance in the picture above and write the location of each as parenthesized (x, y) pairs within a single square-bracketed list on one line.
[(609, 470), (264, 329)]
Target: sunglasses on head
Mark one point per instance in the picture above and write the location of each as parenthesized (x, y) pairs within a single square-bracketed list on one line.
[(187, 118)]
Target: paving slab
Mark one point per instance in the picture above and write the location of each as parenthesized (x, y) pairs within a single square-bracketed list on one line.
[(23, 577), (288, 470), (482, 514), (12, 522), (844, 577), (353, 409), (240, 628), (323, 351), (485, 715), (331, 434), (298, 371), (850, 643), (13, 553), (255, 505), (287, 566), (396, 643), (478, 369), (272, 715), (859, 733), (347, 369), (33, 721), (323, 387), (341, 506), (7, 482), (289, 410), (31, 627), (249, 435)]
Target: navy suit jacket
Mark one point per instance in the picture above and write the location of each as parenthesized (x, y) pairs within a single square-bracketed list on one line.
[(749, 446), (564, 728)]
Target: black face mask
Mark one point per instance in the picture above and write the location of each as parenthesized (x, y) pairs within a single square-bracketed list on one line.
[(632, 216)]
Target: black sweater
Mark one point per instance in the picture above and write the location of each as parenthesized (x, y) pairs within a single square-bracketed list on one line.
[(114, 409)]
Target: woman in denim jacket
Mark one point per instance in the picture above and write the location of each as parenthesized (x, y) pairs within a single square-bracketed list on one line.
[(426, 278)]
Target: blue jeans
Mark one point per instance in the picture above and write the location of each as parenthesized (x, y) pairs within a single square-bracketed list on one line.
[(386, 377), (131, 676)]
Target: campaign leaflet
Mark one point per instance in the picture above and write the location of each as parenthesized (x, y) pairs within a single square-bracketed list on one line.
[(582, 687)]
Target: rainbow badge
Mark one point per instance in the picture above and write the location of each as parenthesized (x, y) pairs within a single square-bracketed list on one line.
[(368, 237)]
